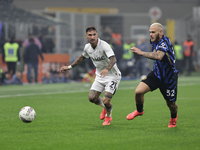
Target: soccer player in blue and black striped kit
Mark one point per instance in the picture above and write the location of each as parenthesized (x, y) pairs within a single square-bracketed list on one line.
[(163, 76)]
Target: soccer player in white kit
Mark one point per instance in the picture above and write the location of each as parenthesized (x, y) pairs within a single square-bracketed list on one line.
[(108, 75)]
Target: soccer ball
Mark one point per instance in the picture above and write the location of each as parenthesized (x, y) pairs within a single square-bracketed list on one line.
[(27, 114)]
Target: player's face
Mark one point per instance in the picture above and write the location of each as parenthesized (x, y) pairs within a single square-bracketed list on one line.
[(92, 37), (155, 34)]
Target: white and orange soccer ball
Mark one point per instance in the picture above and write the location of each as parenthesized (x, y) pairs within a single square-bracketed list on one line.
[(27, 114)]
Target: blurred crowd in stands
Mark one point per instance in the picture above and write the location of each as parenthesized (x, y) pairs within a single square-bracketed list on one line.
[(53, 74), (27, 52)]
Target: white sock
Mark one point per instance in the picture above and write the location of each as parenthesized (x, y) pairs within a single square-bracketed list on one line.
[(109, 115), (101, 103)]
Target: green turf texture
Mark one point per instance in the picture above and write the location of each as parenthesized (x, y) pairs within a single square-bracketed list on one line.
[(66, 120)]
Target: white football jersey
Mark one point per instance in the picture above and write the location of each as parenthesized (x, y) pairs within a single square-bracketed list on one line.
[(100, 58)]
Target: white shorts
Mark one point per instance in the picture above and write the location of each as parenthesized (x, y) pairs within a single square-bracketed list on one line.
[(105, 84)]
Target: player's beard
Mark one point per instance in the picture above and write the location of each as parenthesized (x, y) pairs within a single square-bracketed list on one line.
[(157, 38), (93, 42)]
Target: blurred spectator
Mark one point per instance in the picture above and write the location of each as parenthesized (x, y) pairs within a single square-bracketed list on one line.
[(127, 58), (107, 34), (20, 65), (6, 80), (117, 37), (54, 72), (47, 78), (1, 76), (188, 52), (59, 78), (41, 38), (49, 45), (66, 77), (17, 78), (11, 55), (53, 68), (36, 41), (118, 50), (31, 59), (140, 67), (89, 76), (179, 57), (55, 76)]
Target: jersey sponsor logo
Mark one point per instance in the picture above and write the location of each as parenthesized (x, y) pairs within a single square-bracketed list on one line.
[(98, 58), (162, 46)]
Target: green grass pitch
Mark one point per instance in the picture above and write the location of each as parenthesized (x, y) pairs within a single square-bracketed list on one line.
[(66, 120)]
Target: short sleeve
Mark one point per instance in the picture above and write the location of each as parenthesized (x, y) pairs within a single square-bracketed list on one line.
[(84, 53), (162, 47), (108, 50)]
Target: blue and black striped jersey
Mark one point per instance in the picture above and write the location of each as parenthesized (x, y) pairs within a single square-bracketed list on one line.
[(164, 69)]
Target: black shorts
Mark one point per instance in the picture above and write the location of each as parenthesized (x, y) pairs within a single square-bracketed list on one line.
[(169, 91)]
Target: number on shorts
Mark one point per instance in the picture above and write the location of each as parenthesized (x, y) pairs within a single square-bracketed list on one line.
[(113, 85), (170, 92)]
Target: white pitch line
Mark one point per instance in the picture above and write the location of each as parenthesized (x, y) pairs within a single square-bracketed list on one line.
[(45, 93), (62, 92)]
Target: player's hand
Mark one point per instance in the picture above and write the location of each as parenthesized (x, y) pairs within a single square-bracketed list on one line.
[(103, 73), (136, 50), (64, 68)]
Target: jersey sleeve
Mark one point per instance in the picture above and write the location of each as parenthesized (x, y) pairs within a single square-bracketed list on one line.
[(84, 53), (108, 50), (162, 47)]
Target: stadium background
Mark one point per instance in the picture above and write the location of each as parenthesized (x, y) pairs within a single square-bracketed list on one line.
[(66, 20)]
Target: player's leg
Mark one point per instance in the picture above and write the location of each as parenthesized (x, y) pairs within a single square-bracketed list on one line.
[(173, 107), (107, 102), (169, 92), (108, 107), (141, 89), (110, 89), (94, 94), (94, 98), (150, 83)]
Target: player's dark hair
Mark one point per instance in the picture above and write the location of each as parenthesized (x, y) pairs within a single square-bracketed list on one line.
[(91, 29)]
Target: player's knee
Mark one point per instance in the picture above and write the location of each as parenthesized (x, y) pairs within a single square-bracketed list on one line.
[(93, 99), (139, 92), (107, 99), (172, 105), (107, 102)]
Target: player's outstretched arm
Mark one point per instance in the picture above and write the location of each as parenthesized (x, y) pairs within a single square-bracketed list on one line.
[(151, 55), (79, 60)]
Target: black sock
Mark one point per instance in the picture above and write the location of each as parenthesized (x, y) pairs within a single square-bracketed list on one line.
[(139, 107), (173, 115)]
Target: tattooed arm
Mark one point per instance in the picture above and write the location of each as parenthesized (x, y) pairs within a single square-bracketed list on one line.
[(104, 72), (151, 55), (111, 63), (79, 60)]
